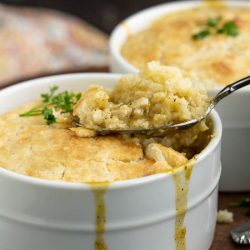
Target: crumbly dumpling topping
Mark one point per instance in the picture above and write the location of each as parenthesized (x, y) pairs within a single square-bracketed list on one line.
[(158, 95)]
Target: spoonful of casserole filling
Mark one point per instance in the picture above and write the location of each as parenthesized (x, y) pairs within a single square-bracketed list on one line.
[(155, 97)]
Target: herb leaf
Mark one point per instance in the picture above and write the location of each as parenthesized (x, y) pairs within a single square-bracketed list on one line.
[(213, 22), (244, 202), (49, 116), (34, 111), (201, 34), (46, 97), (229, 28), (63, 102)]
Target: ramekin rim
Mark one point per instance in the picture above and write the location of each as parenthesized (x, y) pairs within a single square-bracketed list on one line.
[(117, 184)]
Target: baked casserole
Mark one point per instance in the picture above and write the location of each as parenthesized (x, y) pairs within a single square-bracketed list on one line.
[(41, 140), (209, 42)]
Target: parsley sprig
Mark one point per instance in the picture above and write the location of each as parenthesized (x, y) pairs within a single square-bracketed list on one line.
[(213, 22), (63, 102), (214, 26), (229, 28), (201, 34), (245, 203)]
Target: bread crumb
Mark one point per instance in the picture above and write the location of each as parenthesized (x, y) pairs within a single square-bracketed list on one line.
[(83, 132), (224, 216)]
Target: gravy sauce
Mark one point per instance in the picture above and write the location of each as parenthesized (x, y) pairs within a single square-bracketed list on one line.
[(181, 180), (99, 191)]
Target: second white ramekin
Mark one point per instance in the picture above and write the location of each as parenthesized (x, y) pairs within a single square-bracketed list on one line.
[(234, 110)]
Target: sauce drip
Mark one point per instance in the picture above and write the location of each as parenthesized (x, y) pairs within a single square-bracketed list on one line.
[(99, 191), (181, 180)]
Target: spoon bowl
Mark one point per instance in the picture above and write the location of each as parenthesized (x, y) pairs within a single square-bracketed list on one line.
[(241, 234)]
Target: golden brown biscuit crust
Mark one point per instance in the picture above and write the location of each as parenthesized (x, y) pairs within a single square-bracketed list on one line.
[(217, 59), (29, 146)]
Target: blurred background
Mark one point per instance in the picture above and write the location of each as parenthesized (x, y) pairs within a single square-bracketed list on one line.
[(47, 37), (104, 14)]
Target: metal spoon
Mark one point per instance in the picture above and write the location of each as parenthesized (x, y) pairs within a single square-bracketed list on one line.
[(241, 234), (229, 89)]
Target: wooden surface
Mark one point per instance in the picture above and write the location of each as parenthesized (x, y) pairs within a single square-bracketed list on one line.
[(222, 240)]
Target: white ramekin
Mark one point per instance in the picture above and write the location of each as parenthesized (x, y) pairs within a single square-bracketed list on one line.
[(38, 214), (234, 110)]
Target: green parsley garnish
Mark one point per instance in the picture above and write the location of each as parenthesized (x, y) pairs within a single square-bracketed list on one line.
[(62, 102), (244, 202), (47, 97), (49, 116), (229, 28), (201, 34), (213, 22)]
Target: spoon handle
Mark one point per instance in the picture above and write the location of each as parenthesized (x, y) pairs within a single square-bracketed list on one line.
[(229, 89)]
